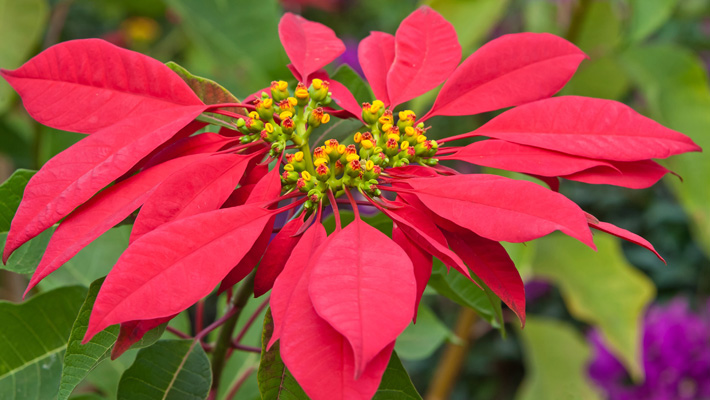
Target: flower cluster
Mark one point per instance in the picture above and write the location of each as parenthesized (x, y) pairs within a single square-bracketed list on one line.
[(676, 357), (208, 202)]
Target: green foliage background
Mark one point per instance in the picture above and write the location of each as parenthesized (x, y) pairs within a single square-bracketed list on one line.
[(650, 54)]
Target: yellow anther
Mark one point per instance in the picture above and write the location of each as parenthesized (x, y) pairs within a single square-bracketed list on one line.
[(325, 118), (407, 115), (358, 137), (267, 103), (386, 127), (352, 157), (393, 136), (306, 176), (376, 105), (320, 161), (288, 167), (366, 144), (282, 85), (369, 165), (341, 148), (302, 93), (298, 156), (404, 145), (268, 127), (409, 131), (317, 83), (421, 138), (293, 101), (254, 115), (286, 114), (386, 119)]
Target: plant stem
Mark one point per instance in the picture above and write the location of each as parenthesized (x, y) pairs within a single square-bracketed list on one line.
[(238, 384), (224, 341), (454, 355)]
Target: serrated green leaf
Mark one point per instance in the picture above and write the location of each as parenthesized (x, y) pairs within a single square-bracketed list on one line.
[(169, 369), (396, 384), (11, 194), (357, 86), (275, 381), (647, 16), (600, 288), (209, 91), (33, 339), (675, 86), (26, 258), (464, 292), (421, 340), (80, 359), (556, 359), (21, 27)]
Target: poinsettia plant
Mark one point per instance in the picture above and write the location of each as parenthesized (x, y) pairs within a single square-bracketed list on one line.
[(246, 203)]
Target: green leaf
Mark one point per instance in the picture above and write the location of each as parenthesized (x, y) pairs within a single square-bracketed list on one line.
[(647, 16), (542, 16), (420, 340), (556, 359), (275, 382), (674, 83), (242, 37), (21, 27), (80, 359), (209, 91), (352, 80), (92, 262), (33, 339), (599, 30), (25, 259), (11, 194), (87, 396), (169, 369), (600, 288), (379, 221), (396, 384), (586, 82), (464, 292)]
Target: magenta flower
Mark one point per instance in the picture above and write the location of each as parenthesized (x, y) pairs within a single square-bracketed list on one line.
[(208, 202)]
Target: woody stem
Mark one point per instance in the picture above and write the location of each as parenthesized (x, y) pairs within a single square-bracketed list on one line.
[(224, 341)]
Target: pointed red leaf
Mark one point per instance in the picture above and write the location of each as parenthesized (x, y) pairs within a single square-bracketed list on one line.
[(342, 96), (531, 160), (633, 175), (309, 45), (98, 215), (171, 268), (412, 171), (427, 50), (424, 232), (352, 288), (489, 261), (74, 175), (276, 255), (502, 209), (133, 331), (376, 55), (86, 85), (206, 142), (626, 235), (508, 71), (267, 189), (293, 275), (587, 127), (421, 260), (318, 356), (199, 187)]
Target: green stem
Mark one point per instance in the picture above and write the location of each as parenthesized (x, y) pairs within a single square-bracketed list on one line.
[(224, 341)]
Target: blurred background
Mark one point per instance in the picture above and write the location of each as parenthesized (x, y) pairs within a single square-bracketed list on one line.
[(617, 324)]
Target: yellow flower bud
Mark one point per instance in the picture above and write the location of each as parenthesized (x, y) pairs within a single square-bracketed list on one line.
[(325, 118), (404, 145), (317, 83), (293, 101), (306, 176), (376, 105), (298, 156), (369, 165), (351, 157), (320, 161), (286, 114), (421, 138), (366, 144), (254, 115), (358, 137), (409, 131), (267, 103), (268, 127), (288, 167), (341, 148)]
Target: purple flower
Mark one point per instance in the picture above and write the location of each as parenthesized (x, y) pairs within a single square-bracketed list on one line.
[(676, 357)]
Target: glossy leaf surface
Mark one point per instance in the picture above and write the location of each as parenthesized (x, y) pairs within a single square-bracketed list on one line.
[(633, 175), (87, 85), (275, 381), (421, 261), (276, 256), (508, 71), (426, 52), (11, 194)]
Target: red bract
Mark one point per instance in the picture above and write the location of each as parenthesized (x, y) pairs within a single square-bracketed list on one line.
[(209, 204)]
